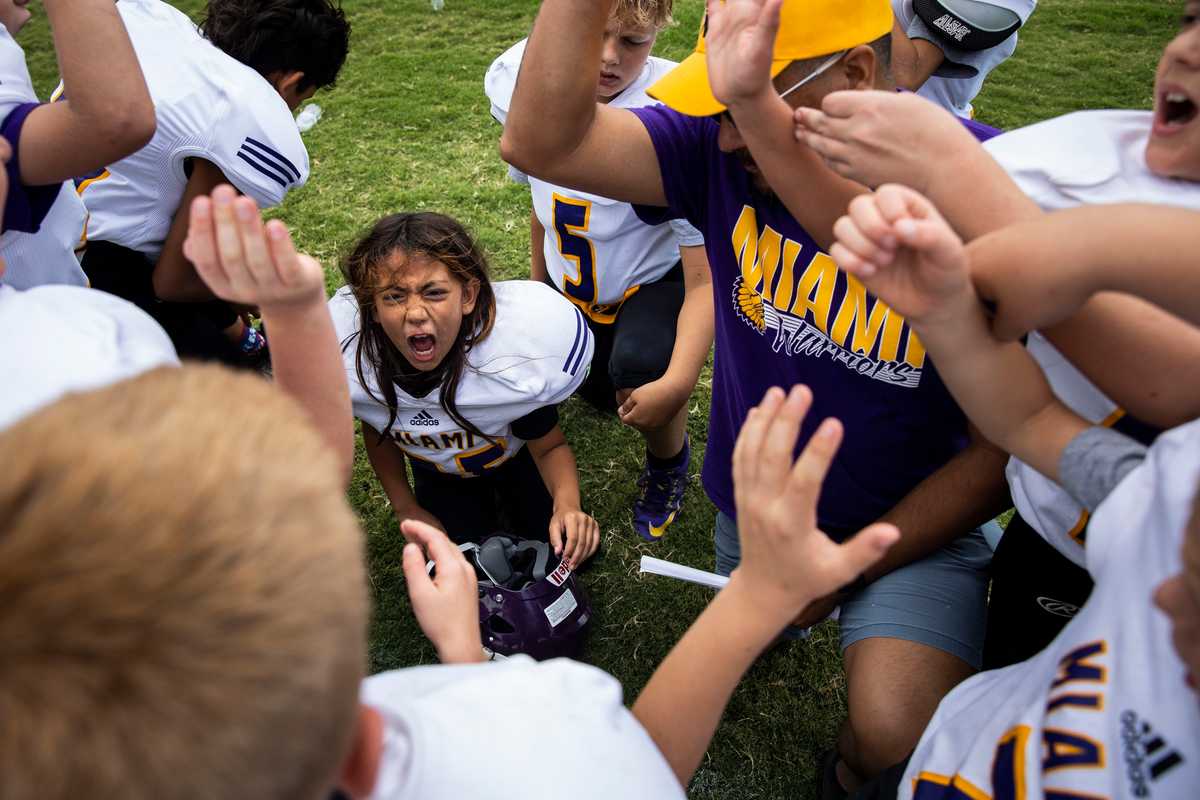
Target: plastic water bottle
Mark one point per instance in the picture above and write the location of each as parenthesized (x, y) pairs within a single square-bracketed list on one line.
[(438, 5), (308, 117)]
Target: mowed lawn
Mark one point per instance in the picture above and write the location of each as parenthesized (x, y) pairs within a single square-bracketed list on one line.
[(407, 127)]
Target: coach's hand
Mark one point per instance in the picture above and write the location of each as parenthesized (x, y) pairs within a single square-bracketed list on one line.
[(787, 562), (446, 605), (574, 535), (246, 262)]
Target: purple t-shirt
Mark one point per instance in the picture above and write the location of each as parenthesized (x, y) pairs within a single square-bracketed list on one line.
[(785, 315), (25, 206)]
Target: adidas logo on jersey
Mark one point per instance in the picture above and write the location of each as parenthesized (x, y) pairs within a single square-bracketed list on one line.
[(424, 418), (951, 26), (1147, 755)]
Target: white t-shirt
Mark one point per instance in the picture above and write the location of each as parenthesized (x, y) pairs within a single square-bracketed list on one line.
[(1085, 158), (516, 728), (536, 355), (47, 256), (1103, 711), (60, 339), (207, 105), (960, 77), (597, 250)]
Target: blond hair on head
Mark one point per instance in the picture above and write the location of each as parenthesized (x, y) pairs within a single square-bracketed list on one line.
[(654, 14), (182, 596)]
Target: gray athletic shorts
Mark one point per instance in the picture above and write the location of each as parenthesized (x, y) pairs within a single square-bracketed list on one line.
[(940, 601)]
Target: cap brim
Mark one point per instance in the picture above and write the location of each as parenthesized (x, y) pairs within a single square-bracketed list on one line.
[(686, 88)]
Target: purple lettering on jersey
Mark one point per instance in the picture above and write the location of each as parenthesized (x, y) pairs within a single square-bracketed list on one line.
[(784, 315)]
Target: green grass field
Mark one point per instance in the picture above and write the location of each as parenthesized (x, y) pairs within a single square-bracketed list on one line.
[(407, 127)]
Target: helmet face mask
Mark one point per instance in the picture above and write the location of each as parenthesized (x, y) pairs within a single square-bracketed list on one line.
[(529, 601)]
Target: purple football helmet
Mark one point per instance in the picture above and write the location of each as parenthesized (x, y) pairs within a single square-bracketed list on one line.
[(529, 601)]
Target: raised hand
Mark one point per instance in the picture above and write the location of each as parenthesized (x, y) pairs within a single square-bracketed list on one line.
[(883, 137), (446, 605), (899, 246), (739, 45), (787, 561), (246, 262)]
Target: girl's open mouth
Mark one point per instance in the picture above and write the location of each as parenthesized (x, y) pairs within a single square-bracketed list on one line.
[(1175, 111), (422, 346)]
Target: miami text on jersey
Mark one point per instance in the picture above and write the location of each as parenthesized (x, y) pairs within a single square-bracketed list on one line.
[(474, 457), (1079, 685), (797, 306)]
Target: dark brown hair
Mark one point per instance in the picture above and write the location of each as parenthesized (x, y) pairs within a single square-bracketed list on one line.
[(309, 36), (436, 237)]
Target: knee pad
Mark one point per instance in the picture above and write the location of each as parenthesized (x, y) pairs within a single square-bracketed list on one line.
[(969, 24)]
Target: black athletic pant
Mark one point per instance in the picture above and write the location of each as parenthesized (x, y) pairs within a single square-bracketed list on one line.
[(636, 348), (1035, 592), (511, 498), (196, 329)]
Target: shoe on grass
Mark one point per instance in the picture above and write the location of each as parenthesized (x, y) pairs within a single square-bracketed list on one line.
[(661, 497)]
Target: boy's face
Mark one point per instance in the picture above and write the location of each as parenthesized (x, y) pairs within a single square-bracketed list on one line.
[(1174, 147), (626, 48), (1179, 599)]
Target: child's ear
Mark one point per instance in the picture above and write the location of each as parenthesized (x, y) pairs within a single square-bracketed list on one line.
[(469, 296), (358, 772)]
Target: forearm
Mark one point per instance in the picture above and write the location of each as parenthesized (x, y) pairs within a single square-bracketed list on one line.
[(955, 184), (1104, 241), (998, 386), (306, 361), (175, 278), (537, 252), (967, 491), (683, 703), (693, 337), (814, 194), (387, 461), (556, 464), (108, 111), (913, 60), (1159, 354), (554, 102)]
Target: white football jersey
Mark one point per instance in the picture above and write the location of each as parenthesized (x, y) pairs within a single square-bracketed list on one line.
[(536, 355), (1085, 158), (60, 339), (954, 85), (597, 250), (208, 105), (1103, 711), (47, 256), (513, 728)]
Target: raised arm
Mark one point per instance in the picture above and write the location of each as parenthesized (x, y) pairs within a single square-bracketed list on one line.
[(905, 253), (913, 60), (245, 261), (1068, 275), (787, 562), (740, 42), (891, 137), (107, 112), (555, 128)]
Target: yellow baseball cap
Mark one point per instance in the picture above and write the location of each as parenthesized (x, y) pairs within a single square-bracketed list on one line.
[(807, 29)]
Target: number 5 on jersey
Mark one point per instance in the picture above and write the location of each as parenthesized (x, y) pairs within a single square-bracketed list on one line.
[(571, 220)]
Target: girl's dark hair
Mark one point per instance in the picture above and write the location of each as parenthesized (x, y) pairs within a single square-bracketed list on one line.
[(436, 237), (311, 36)]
